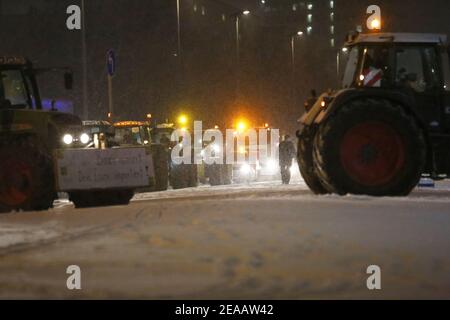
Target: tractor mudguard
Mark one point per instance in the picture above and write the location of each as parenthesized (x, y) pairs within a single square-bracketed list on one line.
[(308, 118), (42, 124), (343, 97), (64, 119)]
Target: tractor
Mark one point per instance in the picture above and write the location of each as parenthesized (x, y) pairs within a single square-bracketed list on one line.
[(182, 175), (28, 135), (101, 134), (213, 168), (35, 142), (137, 133), (388, 124)]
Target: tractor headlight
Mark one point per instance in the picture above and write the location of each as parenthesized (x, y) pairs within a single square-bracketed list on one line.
[(292, 170), (68, 139), (84, 138), (246, 169), (272, 166), (216, 148)]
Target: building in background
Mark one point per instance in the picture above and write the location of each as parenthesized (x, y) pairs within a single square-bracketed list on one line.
[(151, 78)]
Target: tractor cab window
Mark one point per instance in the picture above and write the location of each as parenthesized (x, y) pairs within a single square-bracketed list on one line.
[(352, 57), (375, 67), (13, 91), (162, 136), (417, 68), (129, 136)]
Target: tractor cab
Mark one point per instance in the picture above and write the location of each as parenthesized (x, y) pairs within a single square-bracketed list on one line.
[(162, 133), (387, 124), (395, 60), (101, 134), (413, 66), (18, 85), (21, 112), (132, 133), (18, 89)]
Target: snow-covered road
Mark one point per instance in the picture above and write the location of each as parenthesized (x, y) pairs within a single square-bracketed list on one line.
[(261, 240)]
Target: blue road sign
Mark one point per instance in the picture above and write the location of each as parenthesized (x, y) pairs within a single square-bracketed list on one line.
[(111, 62)]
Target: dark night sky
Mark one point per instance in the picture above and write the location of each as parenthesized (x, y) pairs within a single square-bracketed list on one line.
[(150, 79)]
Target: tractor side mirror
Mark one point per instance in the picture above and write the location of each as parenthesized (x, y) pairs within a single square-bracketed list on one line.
[(68, 80)]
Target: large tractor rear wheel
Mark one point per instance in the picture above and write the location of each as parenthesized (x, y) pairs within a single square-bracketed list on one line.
[(26, 176), (306, 163), (370, 147)]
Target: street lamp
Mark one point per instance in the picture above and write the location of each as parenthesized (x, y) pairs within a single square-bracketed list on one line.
[(180, 75), (84, 62), (178, 29), (237, 17), (294, 36)]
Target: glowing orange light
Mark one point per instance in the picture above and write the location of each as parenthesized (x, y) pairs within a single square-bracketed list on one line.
[(376, 24), (183, 120), (241, 125), (129, 124)]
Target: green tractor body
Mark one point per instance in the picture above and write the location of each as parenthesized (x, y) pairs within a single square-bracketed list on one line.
[(182, 175), (34, 142), (388, 125), (28, 137), (138, 133)]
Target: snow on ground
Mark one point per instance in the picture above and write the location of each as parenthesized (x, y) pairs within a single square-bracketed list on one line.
[(259, 240), (297, 187), (11, 235), (30, 232)]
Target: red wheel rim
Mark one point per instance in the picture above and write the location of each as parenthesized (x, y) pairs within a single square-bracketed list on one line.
[(372, 153), (15, 183)]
